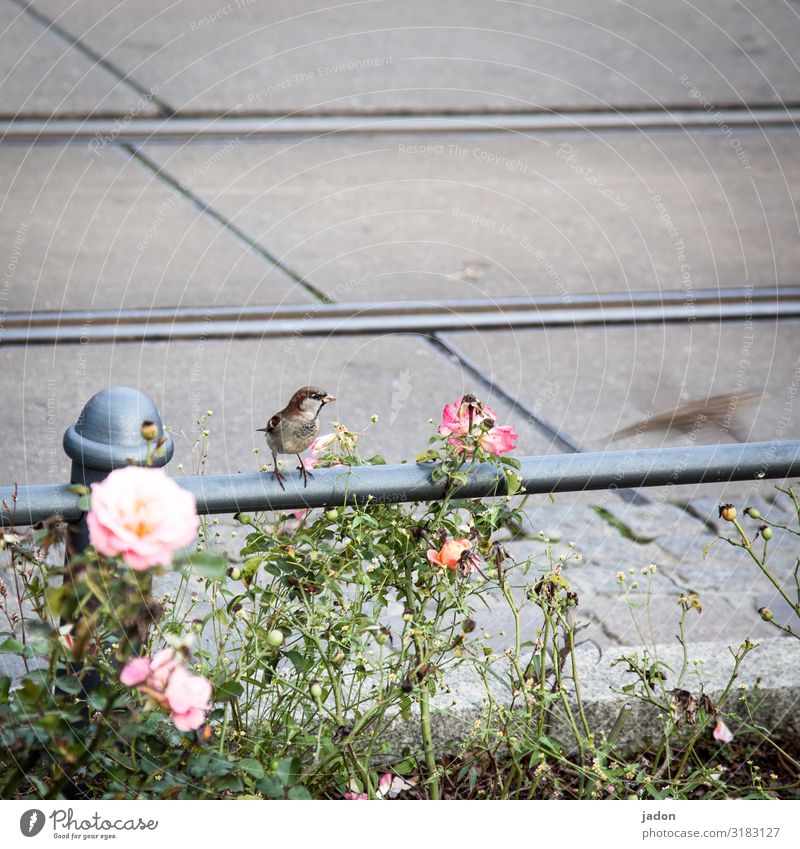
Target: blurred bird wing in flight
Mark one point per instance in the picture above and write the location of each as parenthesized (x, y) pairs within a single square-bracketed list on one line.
[(719, 409)]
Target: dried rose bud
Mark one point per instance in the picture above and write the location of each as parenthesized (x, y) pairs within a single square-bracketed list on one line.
[(766, 614), (727, 512), (468, 626)]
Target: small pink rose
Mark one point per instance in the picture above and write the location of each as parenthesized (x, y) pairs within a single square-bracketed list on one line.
[(359, 796), (722, 732), (141, 514), (167, 682), (456, 417), (499, 440), (135, 671), (322, 443), (188, 699)]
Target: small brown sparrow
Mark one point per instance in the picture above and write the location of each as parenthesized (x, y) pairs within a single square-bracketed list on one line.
[(295, 427)]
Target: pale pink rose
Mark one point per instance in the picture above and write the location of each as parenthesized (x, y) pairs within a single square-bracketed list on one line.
[(168, 683), (351, 795), (391, 786), (450, 553), (163, 664), (136, 671), (499, 440), (141, 514), (722, 732), (322, 443), (188, 699)]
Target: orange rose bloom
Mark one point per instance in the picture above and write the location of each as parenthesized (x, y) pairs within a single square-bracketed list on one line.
[(450, 553)]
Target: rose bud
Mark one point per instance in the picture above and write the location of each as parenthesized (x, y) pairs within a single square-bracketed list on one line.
[(468, 626), (766, 532), (753, 512), (149, 431), (316, 690), (766, 614), (727, 512), (275, 638)]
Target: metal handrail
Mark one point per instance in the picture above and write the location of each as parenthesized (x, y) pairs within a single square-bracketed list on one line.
[(411, 482)]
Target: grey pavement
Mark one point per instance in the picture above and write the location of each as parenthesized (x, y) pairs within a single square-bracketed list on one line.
[(88, 227), (268, 56), (473, 216), (43, 76), (401, 379)]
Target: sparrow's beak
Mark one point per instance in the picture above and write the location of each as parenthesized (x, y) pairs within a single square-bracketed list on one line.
[(261, 430), (327, 399)]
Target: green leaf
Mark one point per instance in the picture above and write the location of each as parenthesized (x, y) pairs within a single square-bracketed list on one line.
[(271, 787), (212, 567), (228, 691), (288, 771), (252, 767), (299, 793), (69, 684), (11, 646), (513, 481), (5, 686)]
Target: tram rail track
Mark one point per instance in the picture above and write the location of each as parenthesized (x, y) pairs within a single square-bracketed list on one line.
[(182, 128), (422, 317)]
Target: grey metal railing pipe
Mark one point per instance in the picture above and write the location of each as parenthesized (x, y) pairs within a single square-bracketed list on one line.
[(411, 482)]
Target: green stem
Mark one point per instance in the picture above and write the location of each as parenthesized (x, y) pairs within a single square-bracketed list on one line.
[(424, 691)]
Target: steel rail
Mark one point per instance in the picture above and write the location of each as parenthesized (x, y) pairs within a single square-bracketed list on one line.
[(101, 132), (165, 323), (410, 482)]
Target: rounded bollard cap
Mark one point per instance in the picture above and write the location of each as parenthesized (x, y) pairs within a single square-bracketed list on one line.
[(108, 433)]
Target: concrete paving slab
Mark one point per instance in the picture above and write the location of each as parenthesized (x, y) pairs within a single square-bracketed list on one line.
[(401, 379), (42, 75), (475, 216), (91, 228), (410, 55)]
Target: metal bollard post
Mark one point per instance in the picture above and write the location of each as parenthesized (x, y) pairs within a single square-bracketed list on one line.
[(107, 436)]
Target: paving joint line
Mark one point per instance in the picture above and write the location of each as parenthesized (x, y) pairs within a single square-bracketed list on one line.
[(225, 222), (164, 108)]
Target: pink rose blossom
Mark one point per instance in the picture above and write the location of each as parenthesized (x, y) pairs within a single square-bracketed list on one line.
[(456, 422), (188, 698), (359, 796), (722, 732), (391, 786), (135, 671), (455, 418), (322, 443), (167, 682), (141, 514), (499, 440)]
